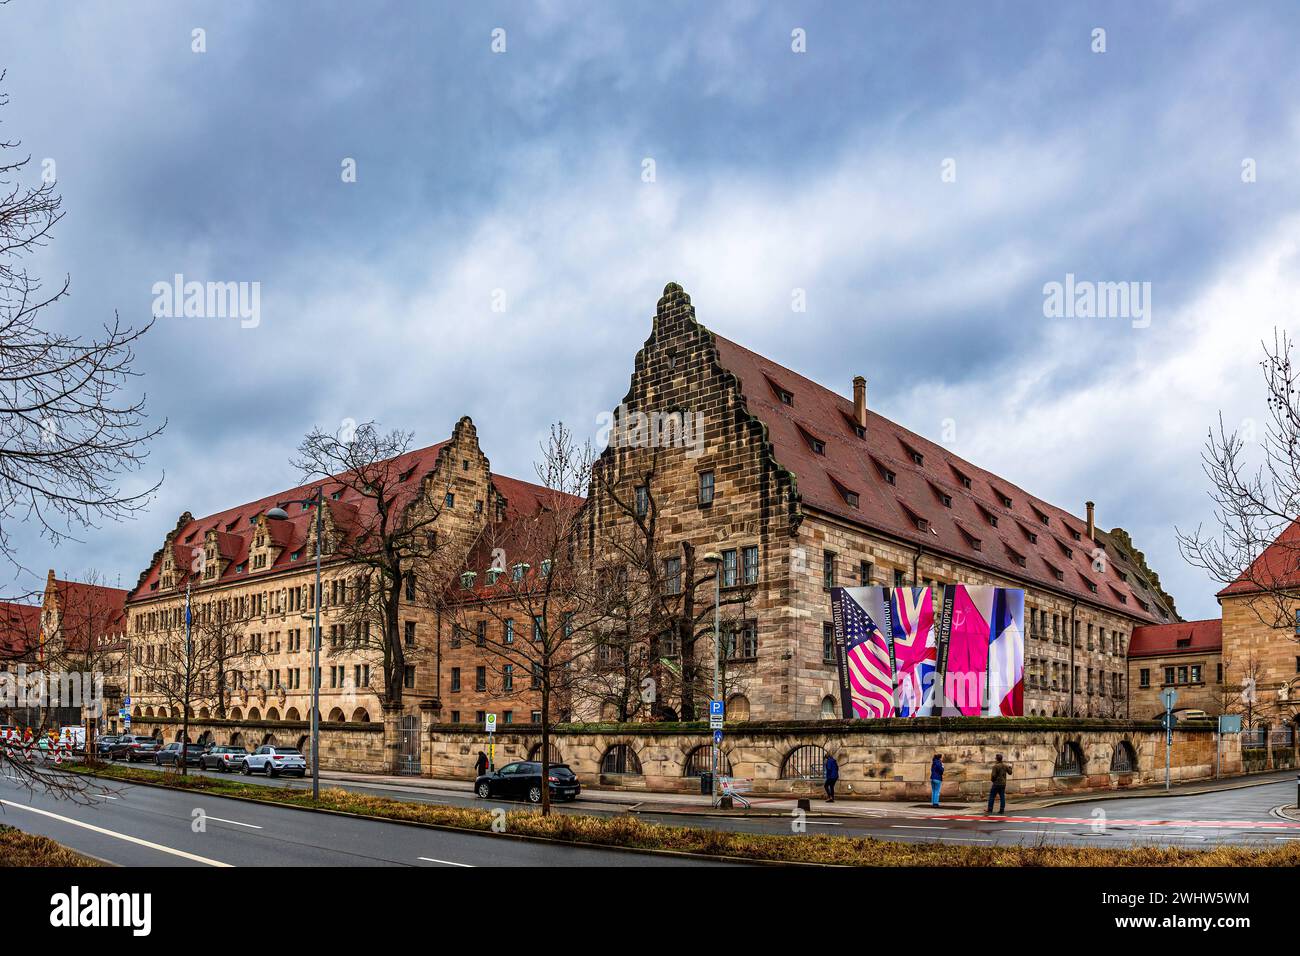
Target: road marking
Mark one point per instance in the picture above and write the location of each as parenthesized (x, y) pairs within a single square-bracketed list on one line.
[(252, 826), (904, 826), (117, 836), (1044, 832), (101, 796), (823, 823), (965, 839), (430, 859), (1286, 838)]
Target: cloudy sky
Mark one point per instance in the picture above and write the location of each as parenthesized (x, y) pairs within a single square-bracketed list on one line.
[(525, 171)]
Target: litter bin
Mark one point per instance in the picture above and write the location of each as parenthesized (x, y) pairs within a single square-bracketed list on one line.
[(706, 782)]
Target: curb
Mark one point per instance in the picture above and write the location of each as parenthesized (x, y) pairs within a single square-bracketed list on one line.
[(524, 837)]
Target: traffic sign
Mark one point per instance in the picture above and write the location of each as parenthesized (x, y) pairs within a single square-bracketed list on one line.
[(1229, 723), (717, 736), (492, 723), (1169, 697), (716, 714)]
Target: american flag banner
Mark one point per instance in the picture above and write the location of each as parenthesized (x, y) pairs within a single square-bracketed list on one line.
[(863, 650)]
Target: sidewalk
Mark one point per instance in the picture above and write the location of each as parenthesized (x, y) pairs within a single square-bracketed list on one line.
[(690, 804)]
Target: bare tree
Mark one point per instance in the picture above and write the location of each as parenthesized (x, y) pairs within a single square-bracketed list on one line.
[(1257, 502), (177, 668), (68, 430), (675, 587), (543, 581), (390, 540), (219, 624)]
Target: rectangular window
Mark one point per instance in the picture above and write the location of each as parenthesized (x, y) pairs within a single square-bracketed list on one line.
[(455, 716), (1196, 673), (537, 677), (409, 633), (828, 569), (642, 500), (1144, 677), (749, 562), (508, 717), (509, 629), (455, 678), (1182, 674), (828, 643), (1169, 675), (480, 633), (672, 575), (408, 677), (729, 568), (480, 679), (864, 573), (898, 578), (508, 677), (706, 487)]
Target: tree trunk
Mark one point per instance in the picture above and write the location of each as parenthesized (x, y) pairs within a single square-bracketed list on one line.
[(546, 738)]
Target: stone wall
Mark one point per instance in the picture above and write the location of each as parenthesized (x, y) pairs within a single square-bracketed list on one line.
[(888, 760), (353, 747)]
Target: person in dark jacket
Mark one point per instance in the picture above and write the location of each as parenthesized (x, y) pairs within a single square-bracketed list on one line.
[(999, 788), (832, 775), (481, 764), (936, 779)]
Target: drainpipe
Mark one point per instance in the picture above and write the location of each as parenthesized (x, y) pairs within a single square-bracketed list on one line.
[(916, 559), (1073, 624)]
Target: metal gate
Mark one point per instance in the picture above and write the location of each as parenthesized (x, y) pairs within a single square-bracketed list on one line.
[(408, 757)]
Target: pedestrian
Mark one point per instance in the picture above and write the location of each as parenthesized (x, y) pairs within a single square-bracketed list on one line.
[(999, 788), (936, 779), (832, 775), (480, 765)]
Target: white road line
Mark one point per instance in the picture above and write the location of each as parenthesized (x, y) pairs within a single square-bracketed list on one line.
[(429, 859), (904, 826), (101, 796), (251, 826), (823, 823), (964, 839), (117, 836), (1286, 838), (1044, 832)]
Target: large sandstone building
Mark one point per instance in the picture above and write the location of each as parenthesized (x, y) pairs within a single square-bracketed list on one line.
[(793, 487)]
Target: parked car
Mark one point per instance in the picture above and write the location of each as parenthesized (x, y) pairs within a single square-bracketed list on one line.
[(224, 759), (104, 744), (523, 781), (275, 760), (132, 748), (171, 754)]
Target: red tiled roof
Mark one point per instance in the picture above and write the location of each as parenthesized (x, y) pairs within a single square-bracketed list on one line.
[(1155, 640), (917, 494), (20, 628), (235, 530), (1278, 566), (89, 609)]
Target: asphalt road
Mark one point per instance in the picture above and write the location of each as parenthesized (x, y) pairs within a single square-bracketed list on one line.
[(1240, 817), (146, 826)]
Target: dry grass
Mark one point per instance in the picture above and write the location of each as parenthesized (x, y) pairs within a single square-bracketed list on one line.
[(632, 833), (25, 849)]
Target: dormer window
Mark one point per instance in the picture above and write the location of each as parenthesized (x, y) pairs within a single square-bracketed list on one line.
[(818, 446), (1006, 502), (546, 567), (918, 458), (851, 498), (922, 524), (492, 575), (467, 580), (336, 496), (1075, 535), (1033, 538), (1092, 586), (518, 571), (946, 499), (993, 519), (786, 397)]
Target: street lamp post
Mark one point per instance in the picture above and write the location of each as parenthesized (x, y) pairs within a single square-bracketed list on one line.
[(279, 514), (715, 559)]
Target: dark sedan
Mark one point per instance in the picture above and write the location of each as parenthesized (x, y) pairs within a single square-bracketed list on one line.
[(171, 754), (225, 759), (132, 748), (523, 781), (105, 744)]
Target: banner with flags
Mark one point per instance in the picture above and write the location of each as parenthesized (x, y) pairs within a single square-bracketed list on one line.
[(898, 656)]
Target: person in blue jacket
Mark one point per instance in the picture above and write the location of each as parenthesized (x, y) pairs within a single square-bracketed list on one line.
[(936, 779), (832, 775)]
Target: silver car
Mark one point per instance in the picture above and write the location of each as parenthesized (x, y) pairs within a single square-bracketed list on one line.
[(274, 760)]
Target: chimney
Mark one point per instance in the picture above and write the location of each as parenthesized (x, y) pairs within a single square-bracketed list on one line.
[(860, 401), (1092, 524)]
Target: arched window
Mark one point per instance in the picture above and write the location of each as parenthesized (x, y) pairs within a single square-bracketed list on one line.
[(136, 712), (805, 762), (360, 716), (157, 734), (828, 708), (162, 711), (292, 714), (236, 714), (269, 740), (304, 744), (336, 716), (700, 760), (1069, 760), (553, 753), (738, 708), (1124, 759), (620, 759), (148, 711), (272, 713), (236, 739), (203, 713), (206, 738), (254, 714)]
